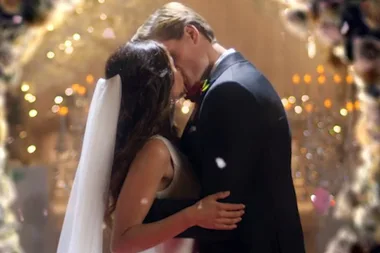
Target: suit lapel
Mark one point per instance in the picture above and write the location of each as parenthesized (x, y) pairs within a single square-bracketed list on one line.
[(190, 140)]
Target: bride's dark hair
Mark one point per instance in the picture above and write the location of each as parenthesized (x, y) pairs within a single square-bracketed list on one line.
[(147, 78)]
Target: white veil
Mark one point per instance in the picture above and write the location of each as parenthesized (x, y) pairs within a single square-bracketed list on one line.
[(82, 230)]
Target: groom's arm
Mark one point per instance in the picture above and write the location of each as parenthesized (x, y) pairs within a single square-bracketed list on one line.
[(230, 143), (230, 138)]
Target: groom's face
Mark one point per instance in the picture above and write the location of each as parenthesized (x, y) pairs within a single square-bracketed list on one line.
[(189, 55)]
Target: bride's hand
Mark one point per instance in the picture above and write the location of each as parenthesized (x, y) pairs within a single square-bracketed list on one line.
[(211, 214)]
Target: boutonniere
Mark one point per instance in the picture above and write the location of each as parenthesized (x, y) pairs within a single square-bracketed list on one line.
[(205, 86)]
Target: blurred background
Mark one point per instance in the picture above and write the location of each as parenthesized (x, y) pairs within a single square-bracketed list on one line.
[(53, 52)]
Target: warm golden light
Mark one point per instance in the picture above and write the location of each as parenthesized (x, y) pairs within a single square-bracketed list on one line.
[(343, 112), (309, 108), (349, 79), (50, 27), (298, 109), (25, 87), (76, 36), (327, 103), (296, 79), (185, 109), (320, 69), (292, 99), (33, 113), (63, 111), (337, 129), (58, 100), (307, 78), (23, 135), (357, 105), (31, 149), (90, 79), (55, 108), (337, 78), (321, 79), (350, 106), (81, 90), (50, 55), (69, 91)]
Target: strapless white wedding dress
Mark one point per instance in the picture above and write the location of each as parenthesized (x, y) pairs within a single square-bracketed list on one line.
[(184, 185)]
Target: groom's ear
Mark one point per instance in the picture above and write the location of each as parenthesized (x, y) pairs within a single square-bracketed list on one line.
[(192, 33)]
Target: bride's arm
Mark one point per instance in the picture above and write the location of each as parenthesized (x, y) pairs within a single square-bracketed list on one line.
[(136, 197), (135, 200)]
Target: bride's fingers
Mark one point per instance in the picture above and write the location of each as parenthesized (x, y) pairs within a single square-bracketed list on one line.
[(231, 207), (224, 227), (231, 214), (227, 221)]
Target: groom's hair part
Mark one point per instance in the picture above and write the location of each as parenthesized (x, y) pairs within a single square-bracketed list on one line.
[(169, 22)]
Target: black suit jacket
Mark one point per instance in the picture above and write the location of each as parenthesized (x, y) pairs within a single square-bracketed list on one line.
[(241, 122)]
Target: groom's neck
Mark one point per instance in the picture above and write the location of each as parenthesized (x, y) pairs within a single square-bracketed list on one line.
[(214, 52)]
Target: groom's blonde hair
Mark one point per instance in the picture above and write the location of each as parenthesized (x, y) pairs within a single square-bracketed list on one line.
[(169, 22)]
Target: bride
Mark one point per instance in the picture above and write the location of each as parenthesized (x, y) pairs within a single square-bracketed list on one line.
[(129, 158)]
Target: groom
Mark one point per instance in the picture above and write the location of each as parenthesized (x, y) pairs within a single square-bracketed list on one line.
[(238, 138)]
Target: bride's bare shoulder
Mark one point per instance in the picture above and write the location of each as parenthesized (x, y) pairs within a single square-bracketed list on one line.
[(154, 151)]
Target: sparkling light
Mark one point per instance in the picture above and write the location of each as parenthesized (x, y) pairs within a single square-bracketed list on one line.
[(185, 109), (23, 135), (69, 50), (69, 91), (292, 99), (307, 78), (103, 16), (58, 100), (33, 113), (68, 43), (50, 27), (298, 109), (337, 129), (63, 111), (296, 79), (31, 149), (76, 36), (55, 108), (320, 69), (343, 112), (50, 55), (305, 98), (25, 87), (31, 99)]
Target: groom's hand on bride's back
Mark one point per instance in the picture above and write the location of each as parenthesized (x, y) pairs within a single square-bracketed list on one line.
[(211, 214)]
